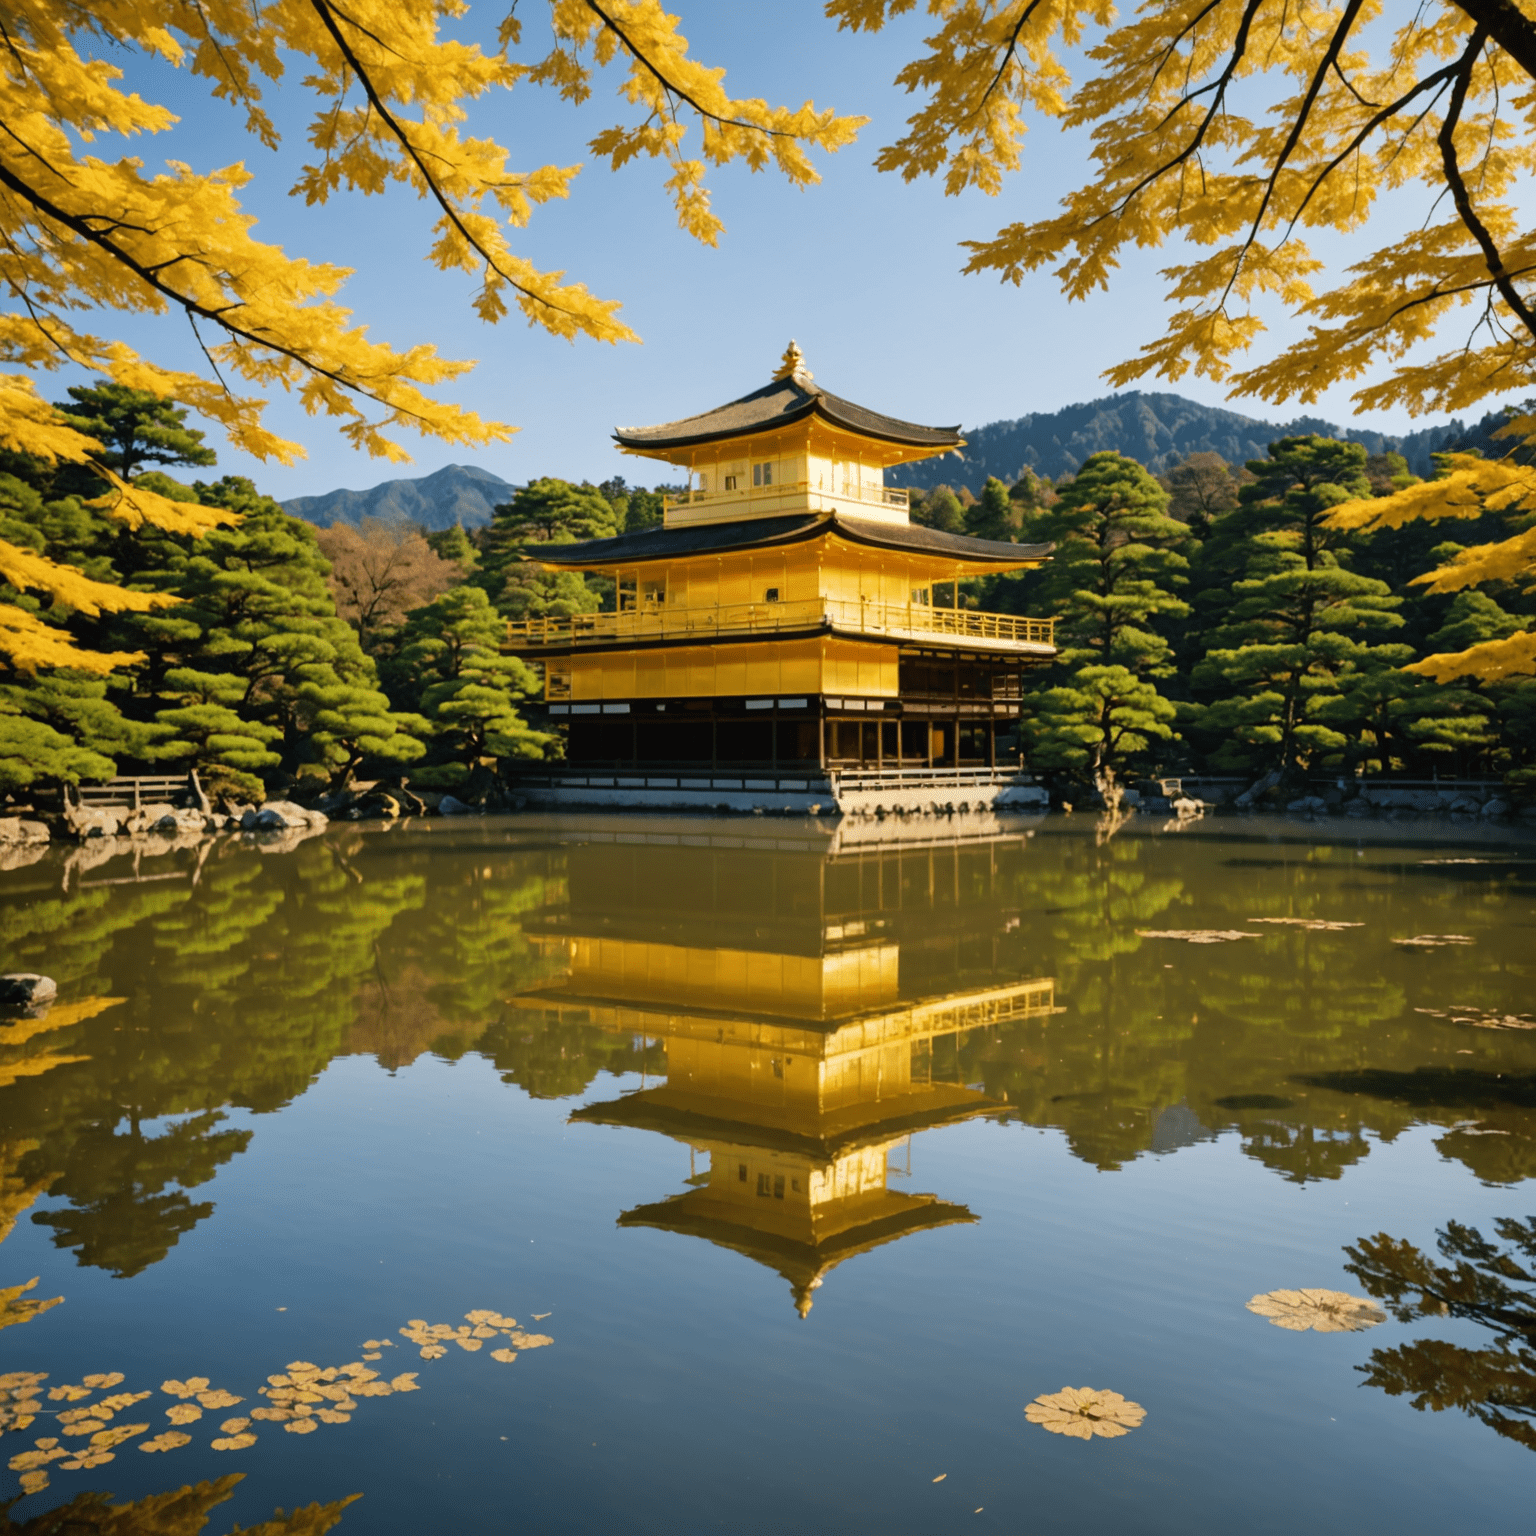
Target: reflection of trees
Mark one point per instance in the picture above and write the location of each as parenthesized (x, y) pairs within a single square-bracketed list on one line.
[(1305, 1042), (185, 1512), (240, 985), (123, 1215), (1484, 1284), (550, 1056)]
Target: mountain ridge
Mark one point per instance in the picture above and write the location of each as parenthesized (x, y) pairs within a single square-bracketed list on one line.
[(1156, 429), (457, 493)]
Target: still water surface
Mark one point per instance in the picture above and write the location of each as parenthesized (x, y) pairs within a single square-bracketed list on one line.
[(817, 1159)]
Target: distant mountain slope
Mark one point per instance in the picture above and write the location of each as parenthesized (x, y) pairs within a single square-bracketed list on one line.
[(1156, 429), (458, 494)]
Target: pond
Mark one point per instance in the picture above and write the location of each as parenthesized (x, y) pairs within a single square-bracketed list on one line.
[(743, 1175)]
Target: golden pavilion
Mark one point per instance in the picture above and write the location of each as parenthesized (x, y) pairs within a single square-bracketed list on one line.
[(814, 1013), (788, 619)]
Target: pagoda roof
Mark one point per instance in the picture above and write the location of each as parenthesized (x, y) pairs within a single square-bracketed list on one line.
[(805, 1261), (791, 528), (781, 403)]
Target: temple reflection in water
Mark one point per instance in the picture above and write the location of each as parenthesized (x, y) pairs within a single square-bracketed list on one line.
[(812, 1001)]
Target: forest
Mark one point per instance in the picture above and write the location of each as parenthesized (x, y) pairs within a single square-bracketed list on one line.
[(1211, 619)]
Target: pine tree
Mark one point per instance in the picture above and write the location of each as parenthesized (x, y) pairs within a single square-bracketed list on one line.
[(940, 509), (451, 668), (1097, 724), (993, 517), (1117, 562), (544, 511), (134, 428), (1285, 627), (256, 655)]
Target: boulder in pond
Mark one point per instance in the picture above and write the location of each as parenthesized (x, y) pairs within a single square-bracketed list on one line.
[(450, 805), (26, 989), (14, 830), (282, 816)]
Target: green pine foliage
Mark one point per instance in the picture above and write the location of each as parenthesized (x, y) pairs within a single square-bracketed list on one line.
[(451, 667), (544, 511), (994, 516), (1112, 582), (135, 427)]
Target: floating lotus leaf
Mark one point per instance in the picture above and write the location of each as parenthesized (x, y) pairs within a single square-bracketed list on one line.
[(188, 1388), (530, 1340), (1482, 1018), (18, 1382), (184, 1413), (33, 1482), (272, 1415), (539, 1317), (1189, 936), (1312, 924), (483, 1332), (171, 1440), (1318, 1311), (67, 1394), (236, 1442), (333, 1416), (372, 1389), (47, 1450), (433, 1351), (1433, 940), (219, 1399), (506, 1356), (120, 1401), (88, 1426), (300, 1427), (235, 1426), (101, 1383), (375, 1355), (88, 1458), (472, 1344), (406, 1382), (1083, 1412)]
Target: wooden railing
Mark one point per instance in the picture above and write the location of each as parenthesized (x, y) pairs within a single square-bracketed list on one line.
[(869, 495), (657, 621)]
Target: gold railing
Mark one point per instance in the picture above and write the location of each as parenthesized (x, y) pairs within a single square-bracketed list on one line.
[(872, 495), (657, 621)]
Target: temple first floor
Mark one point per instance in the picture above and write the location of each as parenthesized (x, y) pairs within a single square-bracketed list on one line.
[(875, 707), (795, 733)]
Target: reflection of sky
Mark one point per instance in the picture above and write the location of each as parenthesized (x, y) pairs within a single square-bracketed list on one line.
[(713, 1406), (864, 270)]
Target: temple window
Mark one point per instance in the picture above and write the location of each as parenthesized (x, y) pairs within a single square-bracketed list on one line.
[(762, 474)]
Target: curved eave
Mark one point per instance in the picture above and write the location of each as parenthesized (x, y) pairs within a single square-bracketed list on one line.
[(657, 544), (862, 423)]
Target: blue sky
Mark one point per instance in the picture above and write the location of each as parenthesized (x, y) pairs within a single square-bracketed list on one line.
[(863, 269)]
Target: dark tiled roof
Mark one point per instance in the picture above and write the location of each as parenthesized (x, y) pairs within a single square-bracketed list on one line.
[(718, 538), (777, 405)]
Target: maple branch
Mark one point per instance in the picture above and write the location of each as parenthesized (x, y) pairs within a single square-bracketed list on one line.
[(1508, 27), (674, 89), (1008, 52), (80, 225), (1502, 277), (1330, 56), (327, 15)]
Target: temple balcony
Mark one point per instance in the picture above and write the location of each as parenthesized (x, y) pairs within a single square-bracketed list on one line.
[(999, 633), (880, 503)]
